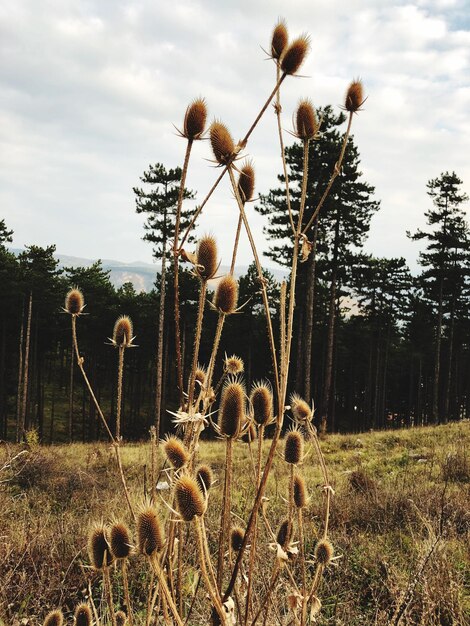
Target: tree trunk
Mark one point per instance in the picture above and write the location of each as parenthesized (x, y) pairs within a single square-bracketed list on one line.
[(19, 392), (309, 316), (449, 367), (26, 368), (437, 357), (3, 413), (159, 363), (70, 424)]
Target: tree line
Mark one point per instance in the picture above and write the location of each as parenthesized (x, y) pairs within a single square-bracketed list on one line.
[(374, 345)]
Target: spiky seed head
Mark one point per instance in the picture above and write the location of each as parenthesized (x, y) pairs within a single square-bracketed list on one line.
[(200, 375), (246, 182), (300, 492), (176, 452), (301, 411), (122, 333), (206, 257), (283, 534), (261, 399), (98, 547), (324, 551), (189, 498), (354, 97), (226, 295), (195, 119), (222, 143), (306, 125), (236, 538), (54, 618), (234, 365), (83, 615), (74, 301), (204, 477), (120, 541), (232, 408), (294, 447), (279, 40), (121, 618), (150, 538), (250, 433), (294, 55)]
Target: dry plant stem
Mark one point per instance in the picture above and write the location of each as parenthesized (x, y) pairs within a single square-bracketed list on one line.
[(225, 511), (93, 605), (303, 573), (332, 179), (316, 581), (244, 141), (179, 361), (119, 392), (215, 348), (179, 578), (282, 318), (208, 554), (278, 109), (153, 462), (109, 594), (103, 419), (197, 340), (165, 591), (267, 598), (212, 591), (193, 600), (151, 597), (235, 245), (127, 596)]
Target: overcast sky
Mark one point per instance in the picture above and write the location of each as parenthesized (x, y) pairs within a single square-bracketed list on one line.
[(89, 92)]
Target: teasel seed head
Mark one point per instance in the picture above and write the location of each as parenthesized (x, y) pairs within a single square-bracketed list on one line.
[(300, 492), (294, 55), (234, 364), (54, 618), (261, 400), (83, 615), (195, 119), (232, 408), (236, 538), (226, 295), (121, 618), (279, 39), (204, 477), (98, 547), (200, 375), (222, 143), (306, 125), (190, 500), (354, 97), (122, 333), (176, 452), (283, 534), (301, 410), (206, 257), (150, 537), (246, 182), (294, 447), (74, 301), (324, 551), (120, 541)]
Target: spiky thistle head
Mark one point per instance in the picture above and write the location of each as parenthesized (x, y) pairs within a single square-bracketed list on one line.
[(120, 541), (99, 549), (204, 477), (226, 295), (222, 143), (233, 364), (324, 551), (300, 492), (294, 447), (284, 534), (122, 332), (305, 121), (150, 537), (236, 538), (195, 119), (295, 54), (261, 399), (206, 257), (83, 615), (279, 39), (121, 618), (190, 500), (354, 97), (176, 452), (54, 618), (246, 182), (301, 410), (232, 408), (74, 301)]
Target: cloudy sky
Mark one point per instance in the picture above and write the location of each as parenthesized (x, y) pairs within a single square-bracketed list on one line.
[(89, 91)]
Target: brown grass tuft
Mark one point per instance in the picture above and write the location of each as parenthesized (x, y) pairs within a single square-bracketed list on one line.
[(222, 143), (150, 538), (295, 55), (195, 119), (306, 124), (236, 538), (54, 618), (226, 295), (354, 97), (120, 541), (261, 399), (83, 615), (232, 409), (324, 551), (206, 257), (246, 182), (279, 39), (74, 301), (98, 548), (189, 498), (294, 447), (176, 452), (300, 492), (204, 477), (122, 333)]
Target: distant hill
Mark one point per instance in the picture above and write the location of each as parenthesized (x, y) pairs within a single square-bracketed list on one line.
[(141, 275)]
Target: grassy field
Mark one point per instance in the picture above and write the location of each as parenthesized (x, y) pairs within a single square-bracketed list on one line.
[(396, 493)]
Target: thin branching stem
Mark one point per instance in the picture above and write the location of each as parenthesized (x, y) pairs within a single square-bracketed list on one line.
[(225, 511), (197, 341), (119, 391)]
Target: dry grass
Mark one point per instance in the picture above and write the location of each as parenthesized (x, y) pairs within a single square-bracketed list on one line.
[(50, 496)]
